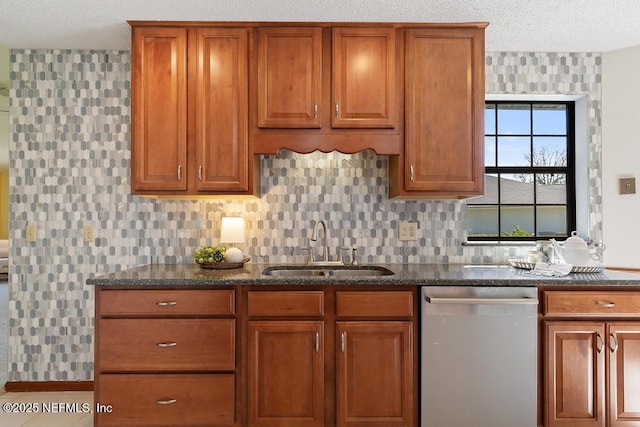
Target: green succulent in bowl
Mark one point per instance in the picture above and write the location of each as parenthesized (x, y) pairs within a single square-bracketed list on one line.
[(209, 254)]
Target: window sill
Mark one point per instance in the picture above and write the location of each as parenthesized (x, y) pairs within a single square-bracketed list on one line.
[(499, 244)]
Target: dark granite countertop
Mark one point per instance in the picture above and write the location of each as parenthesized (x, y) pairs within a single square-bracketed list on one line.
[(404, 274)]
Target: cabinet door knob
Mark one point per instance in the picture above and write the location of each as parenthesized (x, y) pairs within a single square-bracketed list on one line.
[(166, 303), (179, 172), (615, 343), (167, 344), (166, 401)]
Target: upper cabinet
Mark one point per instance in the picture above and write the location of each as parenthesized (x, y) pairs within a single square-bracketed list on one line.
[(364, 78), (221, 110), (207, 98), (363, 90), (289, 77), (190, 90), (326, 87), (443, 152), (159, 109)]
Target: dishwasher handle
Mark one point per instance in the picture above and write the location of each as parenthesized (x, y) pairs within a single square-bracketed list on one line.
[(476, 301)]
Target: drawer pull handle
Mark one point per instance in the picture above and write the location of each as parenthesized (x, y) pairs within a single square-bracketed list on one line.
[(166, 401), (615, 343), (343, 341), (605, 304), (166, 303), (317, 342), (167, 344), (599, 348)]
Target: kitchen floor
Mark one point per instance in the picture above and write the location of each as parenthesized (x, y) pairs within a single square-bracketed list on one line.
[(40, 409), (37, 409)]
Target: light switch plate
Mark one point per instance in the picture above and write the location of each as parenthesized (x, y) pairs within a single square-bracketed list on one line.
[(407, 231), (31, 233), (627, 186), (88, 234)]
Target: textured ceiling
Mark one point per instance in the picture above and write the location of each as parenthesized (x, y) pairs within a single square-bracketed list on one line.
[(515, 25)]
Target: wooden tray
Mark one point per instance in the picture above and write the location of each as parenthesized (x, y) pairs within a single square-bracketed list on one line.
[(223, 265)]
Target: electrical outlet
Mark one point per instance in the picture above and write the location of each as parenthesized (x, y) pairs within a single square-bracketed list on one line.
[(31, 233), (408, 231), (88, 234)]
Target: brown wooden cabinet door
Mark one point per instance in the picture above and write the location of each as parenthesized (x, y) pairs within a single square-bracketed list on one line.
[(574, 374), (159, 109), (444, 111), (364, 90), (624, 374), (286, 373), (221, 109), (374, 367), (289, 77)]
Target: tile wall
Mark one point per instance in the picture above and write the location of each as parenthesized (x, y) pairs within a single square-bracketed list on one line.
[(70, 154)]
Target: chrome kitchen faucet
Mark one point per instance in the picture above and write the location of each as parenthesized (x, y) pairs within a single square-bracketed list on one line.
[(314, 237)]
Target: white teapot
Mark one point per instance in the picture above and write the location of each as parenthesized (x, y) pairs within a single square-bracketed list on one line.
[(575, 250)]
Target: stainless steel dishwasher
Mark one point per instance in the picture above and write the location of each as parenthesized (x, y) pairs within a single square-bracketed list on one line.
[(479, 357)]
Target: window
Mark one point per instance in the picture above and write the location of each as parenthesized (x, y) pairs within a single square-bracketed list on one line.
[(529, 167)]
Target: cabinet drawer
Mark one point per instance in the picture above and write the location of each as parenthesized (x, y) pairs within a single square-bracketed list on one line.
[(166, 344), (374, 304), (592, 303), (286, 303), (167, 400), (165, 303)]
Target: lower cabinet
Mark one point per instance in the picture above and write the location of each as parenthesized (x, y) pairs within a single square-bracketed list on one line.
[(286, 373), (374, 382), (588, 361), (314, 364), (167, 399), (592, 360), (292, 356), (165, 358)]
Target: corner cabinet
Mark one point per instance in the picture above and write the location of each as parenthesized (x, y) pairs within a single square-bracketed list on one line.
[(190, 139), (444, 114), (592, 358)]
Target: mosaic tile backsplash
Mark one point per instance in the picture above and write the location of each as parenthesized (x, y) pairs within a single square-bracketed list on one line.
[(70, 156)]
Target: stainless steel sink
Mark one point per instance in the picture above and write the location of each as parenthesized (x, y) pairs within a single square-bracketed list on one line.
[(329, 271)]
